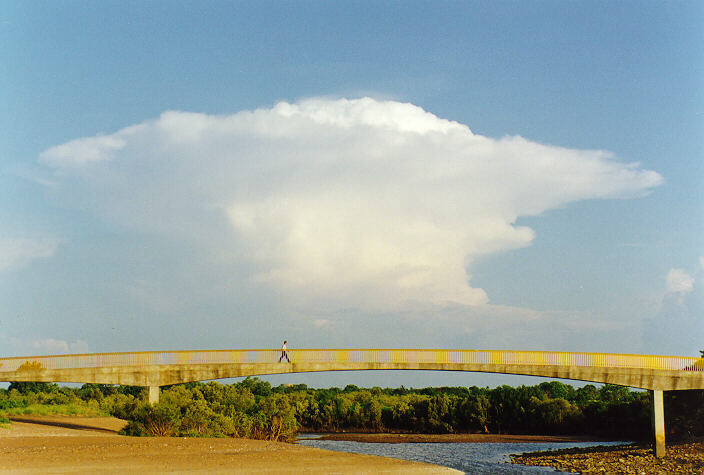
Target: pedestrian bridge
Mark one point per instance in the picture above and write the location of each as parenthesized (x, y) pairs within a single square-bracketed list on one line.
[(160, 368)]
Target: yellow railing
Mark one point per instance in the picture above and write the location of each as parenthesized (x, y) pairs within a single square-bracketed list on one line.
[(362, 356)]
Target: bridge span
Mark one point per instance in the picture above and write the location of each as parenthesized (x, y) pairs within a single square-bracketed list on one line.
[(160, 368)]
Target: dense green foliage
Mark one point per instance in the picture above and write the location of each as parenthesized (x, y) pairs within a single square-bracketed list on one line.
[(548, 408), (252, 408), (208, 410)]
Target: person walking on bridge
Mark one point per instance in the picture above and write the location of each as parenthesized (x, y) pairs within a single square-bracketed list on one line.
[(284, 354)]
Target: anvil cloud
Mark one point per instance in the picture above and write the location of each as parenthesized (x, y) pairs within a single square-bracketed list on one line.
[(365, 203)]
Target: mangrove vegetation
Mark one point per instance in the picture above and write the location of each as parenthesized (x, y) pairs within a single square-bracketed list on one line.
[(252, 408)]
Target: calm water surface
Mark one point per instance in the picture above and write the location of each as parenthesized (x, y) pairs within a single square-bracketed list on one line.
[(467, 457)]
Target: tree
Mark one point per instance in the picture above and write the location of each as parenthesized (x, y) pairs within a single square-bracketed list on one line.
[(557, 416), (31, 387), (586, 394), (612, 394), (557, 390), (473, 413), (256, 385), (199, 419), (160, 420)]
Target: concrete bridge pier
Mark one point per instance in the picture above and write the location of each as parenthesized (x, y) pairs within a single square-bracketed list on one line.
[(658, 419), (153, 394)]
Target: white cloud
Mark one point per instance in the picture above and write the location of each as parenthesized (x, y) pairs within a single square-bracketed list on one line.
[(51, 346), (82, 151), (677, 327), (678, 281), (17, 252), (335, 203)]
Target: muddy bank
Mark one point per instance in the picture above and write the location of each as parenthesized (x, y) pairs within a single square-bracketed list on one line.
[(445, 438), (638, 459)]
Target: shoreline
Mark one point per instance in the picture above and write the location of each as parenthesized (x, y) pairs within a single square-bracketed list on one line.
[(637, 457), (61, 444), (393, 438), (685, 457), (65, 444)]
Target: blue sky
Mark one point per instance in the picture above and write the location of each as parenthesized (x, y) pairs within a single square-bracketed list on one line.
[(187, 175)]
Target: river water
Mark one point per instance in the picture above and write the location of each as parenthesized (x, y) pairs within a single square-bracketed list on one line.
[(467, 457)]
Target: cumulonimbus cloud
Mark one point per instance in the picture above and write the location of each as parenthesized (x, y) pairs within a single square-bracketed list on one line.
[(350, 202)]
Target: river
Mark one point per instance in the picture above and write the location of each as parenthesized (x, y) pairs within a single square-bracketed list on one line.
[(468, 457)]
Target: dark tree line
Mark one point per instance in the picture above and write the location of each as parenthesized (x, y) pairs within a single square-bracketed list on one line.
[(252, 408)]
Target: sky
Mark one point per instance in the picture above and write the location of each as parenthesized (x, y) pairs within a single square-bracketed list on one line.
[(470, 175)]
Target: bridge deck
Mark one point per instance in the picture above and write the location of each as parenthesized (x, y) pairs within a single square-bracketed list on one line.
[(171, 367)]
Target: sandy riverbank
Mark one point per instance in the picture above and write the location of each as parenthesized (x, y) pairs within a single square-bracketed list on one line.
[(91, 445)]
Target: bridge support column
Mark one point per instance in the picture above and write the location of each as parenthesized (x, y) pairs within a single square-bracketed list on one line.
[(658, 418), (153, 394)]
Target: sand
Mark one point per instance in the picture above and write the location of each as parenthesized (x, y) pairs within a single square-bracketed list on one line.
[(60, 444)]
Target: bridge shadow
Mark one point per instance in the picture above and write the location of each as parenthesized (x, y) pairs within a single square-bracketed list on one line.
[(54, 422)]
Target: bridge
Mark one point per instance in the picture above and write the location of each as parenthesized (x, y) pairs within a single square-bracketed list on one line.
[(153, 369)]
